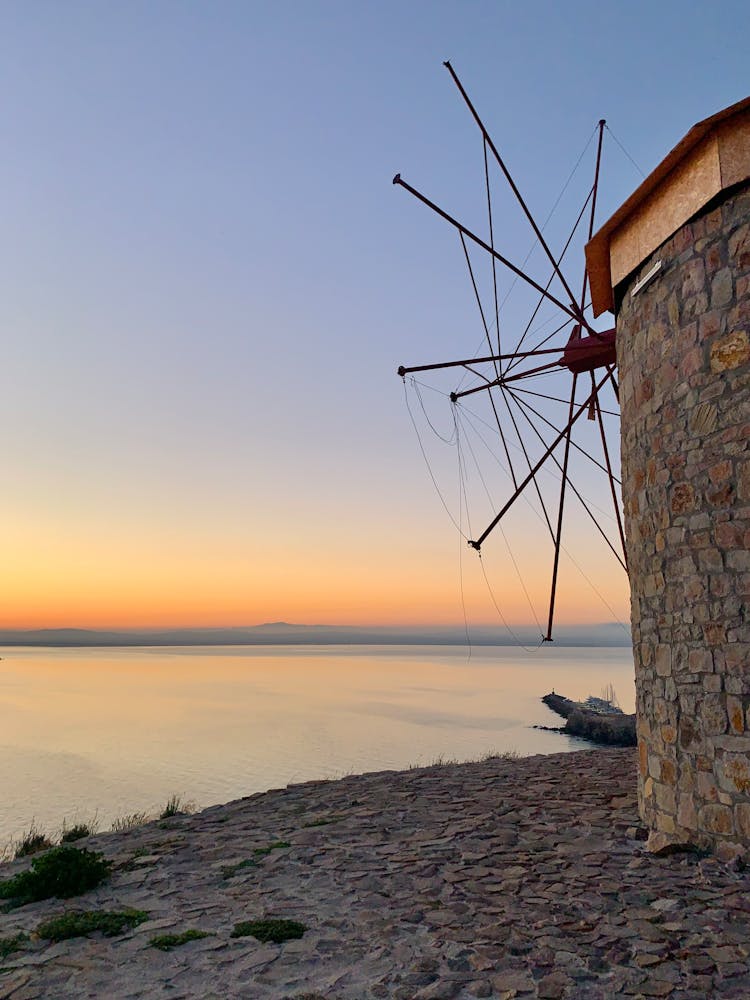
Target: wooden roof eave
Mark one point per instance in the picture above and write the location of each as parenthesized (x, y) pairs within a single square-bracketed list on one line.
[(598, 258)]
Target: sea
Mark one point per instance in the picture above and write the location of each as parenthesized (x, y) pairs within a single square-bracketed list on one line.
[(97, 734)]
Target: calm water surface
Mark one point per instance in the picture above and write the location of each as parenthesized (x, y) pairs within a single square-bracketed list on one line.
[(115, 731)]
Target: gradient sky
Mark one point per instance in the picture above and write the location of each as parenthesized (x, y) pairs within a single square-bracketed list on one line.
[(207, 281)]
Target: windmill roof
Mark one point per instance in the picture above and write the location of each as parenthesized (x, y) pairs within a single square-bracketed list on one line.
[(713, 156)]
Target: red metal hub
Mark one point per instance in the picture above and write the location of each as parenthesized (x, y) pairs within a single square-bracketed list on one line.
[(585, 354)]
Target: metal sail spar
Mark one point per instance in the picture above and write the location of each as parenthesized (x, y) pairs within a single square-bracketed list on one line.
[(515, 376)]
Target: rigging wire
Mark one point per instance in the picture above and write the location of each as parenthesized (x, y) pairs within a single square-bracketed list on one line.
[(468, 414), (526, 500), (479, 300), (562, 255), (492, 241), (551, 212), (566, 480), (559, 399), (462, 491), (507, 543), (435, 431), (549, 423), (541, 229), (563, 548), (427, 463), (625, 151), (523, 646)]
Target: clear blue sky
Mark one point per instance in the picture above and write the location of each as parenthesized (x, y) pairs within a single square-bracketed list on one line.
[(207, 279)]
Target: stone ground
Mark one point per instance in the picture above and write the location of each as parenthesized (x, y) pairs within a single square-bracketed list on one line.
[(495, 879)]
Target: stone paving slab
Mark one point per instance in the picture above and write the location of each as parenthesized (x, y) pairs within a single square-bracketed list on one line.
[(501, 879)]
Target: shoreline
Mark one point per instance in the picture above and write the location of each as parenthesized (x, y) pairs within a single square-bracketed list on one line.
[(500, 879)]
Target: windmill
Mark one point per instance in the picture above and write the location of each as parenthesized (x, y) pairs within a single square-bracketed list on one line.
[(538, 393)]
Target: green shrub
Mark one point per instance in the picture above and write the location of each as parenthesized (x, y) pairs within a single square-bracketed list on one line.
[(10, 944), (270, 930), (63, 872), (77, 832), (79, 923), (165, 942)]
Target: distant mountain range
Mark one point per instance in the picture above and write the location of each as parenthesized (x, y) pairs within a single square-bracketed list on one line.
[(283, 633)]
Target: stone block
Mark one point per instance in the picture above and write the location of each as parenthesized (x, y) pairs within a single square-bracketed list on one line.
[(706, 790), (643, 757), (700, 661), (735, 714), (687, 815), (664, 822), (682, 499), (713, 715), (739, 560), (737, 658), (663, 659), (733, 773), (716, 818), (666, 799), (742, 820), (722, 288), (714, 633), (668, 735), (730, 351)]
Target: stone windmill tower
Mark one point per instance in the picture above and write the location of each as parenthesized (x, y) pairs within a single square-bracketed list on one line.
[(673, 264)]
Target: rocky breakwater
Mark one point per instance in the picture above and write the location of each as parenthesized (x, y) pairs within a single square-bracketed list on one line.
[(598, 724), (502, 879)]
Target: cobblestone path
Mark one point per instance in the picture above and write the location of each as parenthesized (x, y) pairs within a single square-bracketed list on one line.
[(503, 879)]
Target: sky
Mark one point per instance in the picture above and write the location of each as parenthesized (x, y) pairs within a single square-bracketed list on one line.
[(207, 281)]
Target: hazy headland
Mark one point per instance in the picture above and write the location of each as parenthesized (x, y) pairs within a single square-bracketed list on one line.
[(284, 633)]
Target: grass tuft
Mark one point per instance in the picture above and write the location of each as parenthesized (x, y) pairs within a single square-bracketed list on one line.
[(63, 872), (322, 822), (176, 807), (166, 942), (79, 923), (129, 822), (229, 871), (9, 945), (31, 842), (277, 845), (77, 832), (499, 755), (270, 930)]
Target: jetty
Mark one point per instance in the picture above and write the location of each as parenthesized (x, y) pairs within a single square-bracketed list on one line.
[(593, 720)]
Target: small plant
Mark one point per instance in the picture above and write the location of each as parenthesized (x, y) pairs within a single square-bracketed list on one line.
[(322, 822), (79, 923), (176, 807), (441, 761), (499, 755), (9, 945), (31, 842), (166, 942), (77, 832), (270, 930), (129, 822), (229, 871), (63, 872), (275, 846)]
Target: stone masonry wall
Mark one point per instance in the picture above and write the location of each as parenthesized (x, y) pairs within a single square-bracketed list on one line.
[(684, 362)]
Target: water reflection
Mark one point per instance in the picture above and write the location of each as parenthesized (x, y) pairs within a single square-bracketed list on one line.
[(114, 731)]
